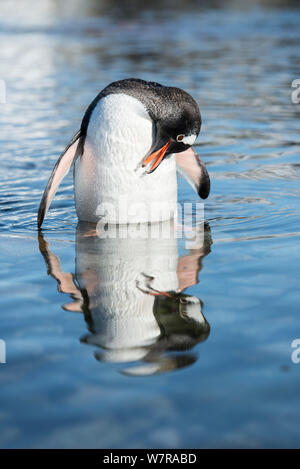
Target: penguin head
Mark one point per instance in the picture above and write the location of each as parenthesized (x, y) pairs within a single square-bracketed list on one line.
[(177, 121)]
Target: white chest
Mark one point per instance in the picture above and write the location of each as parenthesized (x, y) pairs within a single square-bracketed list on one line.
[(110, 271), (107, 185)]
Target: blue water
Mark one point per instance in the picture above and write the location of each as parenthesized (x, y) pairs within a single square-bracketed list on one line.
[(232, 383)]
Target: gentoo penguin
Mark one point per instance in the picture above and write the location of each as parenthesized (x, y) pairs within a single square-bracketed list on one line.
[(131, 293), (124, 172)]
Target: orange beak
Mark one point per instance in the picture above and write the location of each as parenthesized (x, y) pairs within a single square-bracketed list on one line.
[(156, 157)]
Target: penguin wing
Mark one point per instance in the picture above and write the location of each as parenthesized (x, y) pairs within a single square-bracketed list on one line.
[(190, 165), (61, 168), (65, 281)]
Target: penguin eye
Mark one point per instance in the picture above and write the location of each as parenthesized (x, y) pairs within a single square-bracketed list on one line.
[(180, 137)]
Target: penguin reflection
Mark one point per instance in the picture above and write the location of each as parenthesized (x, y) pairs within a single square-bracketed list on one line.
[(131, 294)]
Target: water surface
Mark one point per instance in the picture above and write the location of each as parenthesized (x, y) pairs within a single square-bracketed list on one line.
[(209, 366)]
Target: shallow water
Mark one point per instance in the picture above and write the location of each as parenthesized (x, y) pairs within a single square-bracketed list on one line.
[(147, 376)]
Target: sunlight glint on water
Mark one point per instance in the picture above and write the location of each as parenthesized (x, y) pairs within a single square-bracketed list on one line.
[(231, 382)]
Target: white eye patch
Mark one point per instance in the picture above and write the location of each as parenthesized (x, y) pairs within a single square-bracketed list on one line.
[(189, 140)]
